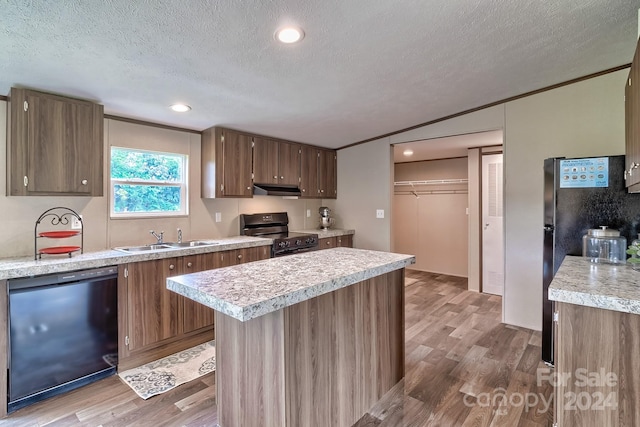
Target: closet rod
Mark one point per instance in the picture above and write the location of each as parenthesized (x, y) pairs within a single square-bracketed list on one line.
[(433, 182), (427, 192)]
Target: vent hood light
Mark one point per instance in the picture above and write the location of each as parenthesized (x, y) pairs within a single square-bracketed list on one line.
[(289, 34), (180, 108), (408, 152)]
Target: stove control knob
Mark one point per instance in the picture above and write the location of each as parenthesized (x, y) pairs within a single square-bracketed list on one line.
[(298, 242), (288, 243), (282, 244)]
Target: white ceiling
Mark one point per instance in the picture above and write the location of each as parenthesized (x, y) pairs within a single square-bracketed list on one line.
[(365, 67), (445, 148)]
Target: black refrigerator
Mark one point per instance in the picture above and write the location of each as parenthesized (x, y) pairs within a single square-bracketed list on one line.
[(580, 194)]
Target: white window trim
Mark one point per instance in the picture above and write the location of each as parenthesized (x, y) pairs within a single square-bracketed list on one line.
[(184, 188)]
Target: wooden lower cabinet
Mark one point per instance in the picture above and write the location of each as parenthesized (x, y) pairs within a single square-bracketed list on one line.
[(154, 321), (597, 374), (345, 241)]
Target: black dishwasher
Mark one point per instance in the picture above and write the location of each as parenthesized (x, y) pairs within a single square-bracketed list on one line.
[(63, 333)]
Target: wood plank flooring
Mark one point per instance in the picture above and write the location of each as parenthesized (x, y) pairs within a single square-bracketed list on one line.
[(459, 361)]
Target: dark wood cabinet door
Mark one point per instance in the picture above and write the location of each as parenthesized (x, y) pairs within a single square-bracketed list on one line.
[(56, 145), (265, 161), (237, 164), (327, 170), (289, 163), (632, 123), (153, 310), (345, 241), (309, 186), (327, 243), (196, 315)]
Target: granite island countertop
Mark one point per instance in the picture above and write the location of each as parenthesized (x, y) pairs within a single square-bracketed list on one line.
[(608, 286), (251, 290), (11, 268)]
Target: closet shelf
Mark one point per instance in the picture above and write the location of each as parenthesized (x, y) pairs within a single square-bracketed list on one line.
[(433, 182)]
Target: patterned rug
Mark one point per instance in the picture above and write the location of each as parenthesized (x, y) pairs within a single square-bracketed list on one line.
[(171, 371)]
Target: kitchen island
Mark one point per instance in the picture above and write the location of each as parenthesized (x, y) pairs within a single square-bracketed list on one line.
[(311, 339), (597, 345)]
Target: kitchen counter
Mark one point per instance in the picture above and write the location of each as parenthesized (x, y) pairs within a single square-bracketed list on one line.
[(322, 334), (607, 286), (330, 232), (597, 335), (247, 291), (26, 266)]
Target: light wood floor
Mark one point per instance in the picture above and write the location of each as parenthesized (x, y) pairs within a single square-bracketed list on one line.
[(459, 358)]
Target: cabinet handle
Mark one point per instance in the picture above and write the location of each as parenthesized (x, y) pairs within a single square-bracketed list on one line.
[(171, 266), (189, 264), (303, 190), (84, 182), (328, 243), (282, 177), (275, 176), (248, 188), (322, 191), (240, 256)]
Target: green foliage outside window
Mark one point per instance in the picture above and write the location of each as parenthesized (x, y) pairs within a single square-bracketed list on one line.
[(146, 182)]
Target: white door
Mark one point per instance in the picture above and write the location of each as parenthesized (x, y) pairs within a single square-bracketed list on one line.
[(492, 225)]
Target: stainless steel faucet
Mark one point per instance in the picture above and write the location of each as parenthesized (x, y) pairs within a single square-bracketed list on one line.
[(179, 235), (159, 237)]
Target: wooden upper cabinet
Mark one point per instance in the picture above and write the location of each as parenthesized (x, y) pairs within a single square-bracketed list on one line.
[(328, 174), (227, 163), (276, 162), (289, 155), (319, 173), (265, 161), (309, 185), (55, 145), (632, 125)]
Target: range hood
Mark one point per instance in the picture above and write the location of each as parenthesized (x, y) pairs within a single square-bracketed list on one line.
[(275, 190)]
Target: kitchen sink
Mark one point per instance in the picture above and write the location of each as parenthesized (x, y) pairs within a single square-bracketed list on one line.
[(143, 248), (190, 244), (161, 246)]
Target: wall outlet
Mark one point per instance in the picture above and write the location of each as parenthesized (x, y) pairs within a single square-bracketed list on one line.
[(308, 213), (380, 213), (75, 223), (218, 217)]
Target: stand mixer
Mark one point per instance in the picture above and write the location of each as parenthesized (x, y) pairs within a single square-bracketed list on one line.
[(325, 217)]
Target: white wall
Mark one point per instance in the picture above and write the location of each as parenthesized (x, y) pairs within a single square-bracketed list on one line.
[(583, 119), (365, 182), (100, 232)]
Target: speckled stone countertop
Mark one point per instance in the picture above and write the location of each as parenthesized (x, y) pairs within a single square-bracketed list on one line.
[(251, 290), (26, 266), (331, 232), (606, 286)]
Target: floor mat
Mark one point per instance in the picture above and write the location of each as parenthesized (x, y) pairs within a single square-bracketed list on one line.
[(164, 374)]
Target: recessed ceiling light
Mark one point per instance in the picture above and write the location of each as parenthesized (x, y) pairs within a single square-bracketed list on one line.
[(289, 34), (180, 108), (408, 152)]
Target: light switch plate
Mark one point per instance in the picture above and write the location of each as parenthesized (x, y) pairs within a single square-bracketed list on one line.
[(218, 217), (308, 213), (75, 223), (380, 213)]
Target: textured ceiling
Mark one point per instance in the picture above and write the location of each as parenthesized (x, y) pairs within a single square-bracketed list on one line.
[(365, 67)]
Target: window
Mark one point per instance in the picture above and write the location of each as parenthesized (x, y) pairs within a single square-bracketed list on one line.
[(147, 183)]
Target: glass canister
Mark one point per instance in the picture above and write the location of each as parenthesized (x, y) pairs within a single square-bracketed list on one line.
[(604, 245)]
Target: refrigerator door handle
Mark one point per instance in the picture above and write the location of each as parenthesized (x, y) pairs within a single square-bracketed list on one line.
[(548, 227)]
